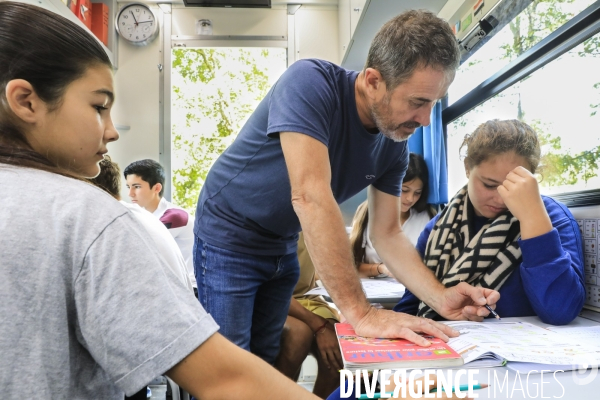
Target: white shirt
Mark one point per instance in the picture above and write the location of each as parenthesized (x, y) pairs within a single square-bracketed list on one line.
[(412, 228), (165, 243), (183, 235)]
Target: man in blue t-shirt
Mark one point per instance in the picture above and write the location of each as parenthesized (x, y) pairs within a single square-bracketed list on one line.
[(320, 136)]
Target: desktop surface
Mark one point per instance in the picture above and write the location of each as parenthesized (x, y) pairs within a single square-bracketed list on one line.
[(569, 385)]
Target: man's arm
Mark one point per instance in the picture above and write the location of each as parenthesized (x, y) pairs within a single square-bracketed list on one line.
[(218, 369), (401, 258), (309, 170), (394, 248)]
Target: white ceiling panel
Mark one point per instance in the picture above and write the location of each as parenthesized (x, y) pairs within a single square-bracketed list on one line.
[(375, 14)]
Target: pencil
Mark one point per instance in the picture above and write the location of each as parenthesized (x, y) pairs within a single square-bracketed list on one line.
[(462, 388), (493, 312)]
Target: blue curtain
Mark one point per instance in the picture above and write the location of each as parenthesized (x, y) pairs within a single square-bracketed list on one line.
[(429, 142)]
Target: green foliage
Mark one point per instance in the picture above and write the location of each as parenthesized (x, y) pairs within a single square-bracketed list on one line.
[(595, 107), (537, 21), (214, 92), (591, 47), (558, 166)]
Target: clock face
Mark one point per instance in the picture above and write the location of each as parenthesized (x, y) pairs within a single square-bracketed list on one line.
[(137, 24)]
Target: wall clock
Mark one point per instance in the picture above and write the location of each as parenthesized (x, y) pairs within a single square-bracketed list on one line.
[(137, 24)]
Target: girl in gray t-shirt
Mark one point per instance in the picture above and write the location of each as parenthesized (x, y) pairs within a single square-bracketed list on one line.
[(89, 309)]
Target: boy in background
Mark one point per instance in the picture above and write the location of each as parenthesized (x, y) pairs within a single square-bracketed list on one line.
[(145, 181), (109, 179)]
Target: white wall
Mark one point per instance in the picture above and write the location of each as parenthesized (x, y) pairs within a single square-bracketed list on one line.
[(137, 77), (317, 33), (231, 21), (136, 105)]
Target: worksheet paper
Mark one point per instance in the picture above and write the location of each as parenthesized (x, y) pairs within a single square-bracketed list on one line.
[(589, 336), (521, 342), (586, 334), (381, 288)]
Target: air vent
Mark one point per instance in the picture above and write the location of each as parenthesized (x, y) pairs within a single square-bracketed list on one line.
[(228, 3)]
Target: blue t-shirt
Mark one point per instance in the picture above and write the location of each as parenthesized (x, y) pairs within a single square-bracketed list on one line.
[(245, 204)]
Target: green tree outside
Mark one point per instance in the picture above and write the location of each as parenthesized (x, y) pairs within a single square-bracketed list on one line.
[(559, 167), (214, 92)]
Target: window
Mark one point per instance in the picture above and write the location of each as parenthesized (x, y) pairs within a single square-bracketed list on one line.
[(561, 101), (533, 24), (214, 91)]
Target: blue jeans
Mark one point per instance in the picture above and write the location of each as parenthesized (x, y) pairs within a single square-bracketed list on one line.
[(247, 295)]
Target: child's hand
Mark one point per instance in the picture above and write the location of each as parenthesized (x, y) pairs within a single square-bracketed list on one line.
[(328, 346), (383, 270), (521, 195)]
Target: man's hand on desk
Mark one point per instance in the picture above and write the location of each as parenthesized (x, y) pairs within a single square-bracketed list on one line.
[(390, 324), (464, 301), (460, 302)]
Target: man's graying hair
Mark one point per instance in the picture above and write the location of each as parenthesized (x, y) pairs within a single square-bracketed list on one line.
[(415, 38)]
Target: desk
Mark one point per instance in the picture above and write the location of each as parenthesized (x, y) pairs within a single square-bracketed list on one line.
[(386, 302), (561, 386)]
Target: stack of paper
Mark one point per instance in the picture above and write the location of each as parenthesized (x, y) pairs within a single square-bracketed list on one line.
[(379, 289)]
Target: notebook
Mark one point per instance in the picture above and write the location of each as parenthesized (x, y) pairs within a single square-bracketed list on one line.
[(524, 346), (476, 356), (376, 353)]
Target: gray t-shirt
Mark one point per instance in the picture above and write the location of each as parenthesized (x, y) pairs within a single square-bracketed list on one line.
[(88, 307)]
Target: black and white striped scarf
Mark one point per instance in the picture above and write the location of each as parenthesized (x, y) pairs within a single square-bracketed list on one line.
[(456, 253)]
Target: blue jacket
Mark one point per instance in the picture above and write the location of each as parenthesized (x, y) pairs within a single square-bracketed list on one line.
[(549, 282)]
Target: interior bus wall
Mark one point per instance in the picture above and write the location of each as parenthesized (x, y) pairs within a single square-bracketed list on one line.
[(137, 77)]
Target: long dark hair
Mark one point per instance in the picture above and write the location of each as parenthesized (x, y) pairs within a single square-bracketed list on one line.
[(49, 52), (417, 169)]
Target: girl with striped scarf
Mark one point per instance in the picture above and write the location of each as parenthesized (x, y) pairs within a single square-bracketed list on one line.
[(498, 232)]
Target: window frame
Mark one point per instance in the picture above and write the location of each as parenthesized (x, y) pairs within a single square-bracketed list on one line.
[(170, 42), (202, 41), (580, 28)]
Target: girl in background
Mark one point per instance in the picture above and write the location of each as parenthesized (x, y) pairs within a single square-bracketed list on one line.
[(415, 214)]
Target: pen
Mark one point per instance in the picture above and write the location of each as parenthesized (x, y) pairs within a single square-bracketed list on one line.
[(492, 312), (462, 388), (375, 396)]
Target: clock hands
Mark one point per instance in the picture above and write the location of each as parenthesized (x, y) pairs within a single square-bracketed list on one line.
[(134, 20)]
